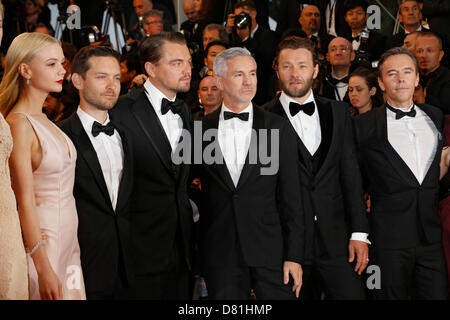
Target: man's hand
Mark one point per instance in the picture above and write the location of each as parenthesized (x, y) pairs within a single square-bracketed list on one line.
[(295, 270), (230, 22), (362, 252)]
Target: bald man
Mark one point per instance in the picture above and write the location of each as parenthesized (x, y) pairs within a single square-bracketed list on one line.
[(340, 56)]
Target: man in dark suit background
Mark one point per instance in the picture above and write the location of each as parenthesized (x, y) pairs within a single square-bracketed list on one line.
[(400, 144), (260, 41), (103, 176), (251, 226), (161, 215), (331, 189), (434, 87)]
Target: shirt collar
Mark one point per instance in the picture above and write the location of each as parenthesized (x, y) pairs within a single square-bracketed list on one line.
[(254, 31), (87, 120), (154, 95)]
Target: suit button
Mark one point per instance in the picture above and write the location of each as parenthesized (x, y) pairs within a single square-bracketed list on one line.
[(235, 196)]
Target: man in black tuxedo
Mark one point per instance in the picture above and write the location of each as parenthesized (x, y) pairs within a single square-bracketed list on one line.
[(251, 226), (161, 215), (400, 144), (103, 175), (331, 187), (340, 56)]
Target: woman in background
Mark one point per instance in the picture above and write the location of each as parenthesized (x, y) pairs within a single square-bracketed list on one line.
[(13, 261), (363, 91), (42, 167)]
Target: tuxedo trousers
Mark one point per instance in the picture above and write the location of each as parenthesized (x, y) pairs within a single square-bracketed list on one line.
[(235, 281), (332, 275), (414, 273)]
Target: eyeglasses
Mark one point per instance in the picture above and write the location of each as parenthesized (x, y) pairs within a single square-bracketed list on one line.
[(342, 48), (153, 22)]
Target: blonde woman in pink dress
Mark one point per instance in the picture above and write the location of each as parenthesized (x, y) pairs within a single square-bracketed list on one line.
[(42, 165)]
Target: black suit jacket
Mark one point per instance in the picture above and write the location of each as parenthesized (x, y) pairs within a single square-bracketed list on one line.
[(403, 212), (262, 217), (103, 233), (330, 181), (161, 215), (438, 89)]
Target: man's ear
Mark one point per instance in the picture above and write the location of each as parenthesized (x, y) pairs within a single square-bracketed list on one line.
[(381, 84), (77, 81), (150, 69), (25, 71), (353, 55), (316, 71)]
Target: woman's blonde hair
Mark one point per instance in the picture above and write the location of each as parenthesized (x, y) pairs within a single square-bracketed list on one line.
[(22, 50), (2, 10)]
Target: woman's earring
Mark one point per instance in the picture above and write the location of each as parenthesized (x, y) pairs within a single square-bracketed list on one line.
[(28, 81)]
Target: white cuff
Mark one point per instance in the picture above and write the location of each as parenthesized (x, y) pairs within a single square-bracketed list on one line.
[(360, 236)]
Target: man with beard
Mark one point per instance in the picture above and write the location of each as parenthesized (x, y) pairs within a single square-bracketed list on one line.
[(103, 175), (161, 213), (336, 245)]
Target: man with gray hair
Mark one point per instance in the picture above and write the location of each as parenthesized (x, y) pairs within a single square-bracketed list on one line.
[(153, 22), (252, 226)]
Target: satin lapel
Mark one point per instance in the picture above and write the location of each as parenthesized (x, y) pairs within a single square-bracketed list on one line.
[(219, 169), (147, 119), (440, 143), (126, 179), (187, 125), (328, 116), (394, 158), (304, 155), (87, 151), (258, 123)]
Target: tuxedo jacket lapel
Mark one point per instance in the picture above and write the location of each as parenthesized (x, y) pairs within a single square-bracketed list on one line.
[(258, 123), (87, 151), (147, 119), (394, 158), (304, 155), (212, 122), (125, 185)]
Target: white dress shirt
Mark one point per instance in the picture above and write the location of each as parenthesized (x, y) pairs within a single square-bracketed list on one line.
[(171, 123), (109, 153), (342, 88), (234, 140), (414, 139), (308, 129)]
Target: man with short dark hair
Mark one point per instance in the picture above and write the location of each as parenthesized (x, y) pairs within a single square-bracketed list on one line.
[(336, 226), (103, 176), (434, 87), (410, 15), (161, 213), (400, 145), (153, 22)]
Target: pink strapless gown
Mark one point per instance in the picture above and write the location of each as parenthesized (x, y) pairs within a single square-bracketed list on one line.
[(57, 214)]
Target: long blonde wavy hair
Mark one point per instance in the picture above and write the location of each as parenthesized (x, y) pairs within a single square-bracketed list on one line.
[(22, 50)]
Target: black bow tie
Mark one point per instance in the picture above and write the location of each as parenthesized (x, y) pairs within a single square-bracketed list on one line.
[(107, 129), (335, 81), (313, 39), (307, 108), (230, 115), (176, 106), (400, 114), (355, 38)]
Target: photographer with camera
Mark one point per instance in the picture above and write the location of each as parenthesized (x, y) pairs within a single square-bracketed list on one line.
[(261, 42), (367, 44)]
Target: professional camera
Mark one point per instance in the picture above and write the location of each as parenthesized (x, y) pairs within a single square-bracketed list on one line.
[(362, 54), (242, 20), (88, 35)]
